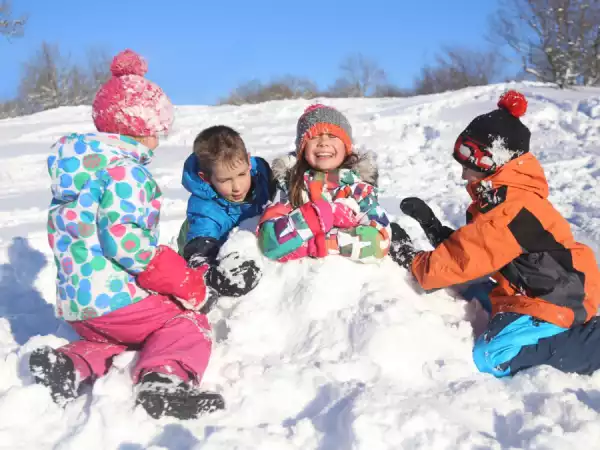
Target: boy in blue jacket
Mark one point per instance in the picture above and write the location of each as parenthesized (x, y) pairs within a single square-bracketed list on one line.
[(227, 186)]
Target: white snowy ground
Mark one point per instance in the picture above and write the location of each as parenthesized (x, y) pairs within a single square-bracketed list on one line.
[(322, 355)]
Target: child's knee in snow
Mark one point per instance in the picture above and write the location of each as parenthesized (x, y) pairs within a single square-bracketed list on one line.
[(483, 357)]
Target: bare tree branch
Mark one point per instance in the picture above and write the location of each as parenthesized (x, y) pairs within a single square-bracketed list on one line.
[(49, 80), (360, 77), (10, 26), (288, 87), (557, 41), (391, 90), (457, 68)]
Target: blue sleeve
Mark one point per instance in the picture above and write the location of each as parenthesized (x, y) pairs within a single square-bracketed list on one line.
[(265, 175), (203, 219)]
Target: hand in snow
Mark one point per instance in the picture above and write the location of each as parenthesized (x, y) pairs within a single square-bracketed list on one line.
[(168, 273), (193, 293), (401, 248), (201, 250), (233, 276), (434, 230), (198, 260)]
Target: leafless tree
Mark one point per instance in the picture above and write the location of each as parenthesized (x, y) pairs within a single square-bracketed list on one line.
[(44, 79), (457, 68), (10, 108), (49, 79), (288, 87), (360, 77), (391, 90), (10, 26), (556, 41), (98, 72)]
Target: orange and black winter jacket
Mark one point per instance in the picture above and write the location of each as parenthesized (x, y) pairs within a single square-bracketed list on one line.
[(514, 234)]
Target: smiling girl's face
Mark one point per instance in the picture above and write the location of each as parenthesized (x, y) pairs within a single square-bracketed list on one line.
[(324, 152)]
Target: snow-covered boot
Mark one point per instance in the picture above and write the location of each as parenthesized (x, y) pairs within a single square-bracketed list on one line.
[(56, 371), (168, 395)]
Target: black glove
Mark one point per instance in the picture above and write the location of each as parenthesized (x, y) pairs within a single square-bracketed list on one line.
[(401, 248), (434, 230), (201, 250), (233, 276)]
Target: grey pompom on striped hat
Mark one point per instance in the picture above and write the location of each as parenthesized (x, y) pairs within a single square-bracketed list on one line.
[(318, 119)]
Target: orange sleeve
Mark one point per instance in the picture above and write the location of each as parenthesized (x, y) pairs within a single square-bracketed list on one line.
[(480, 248)]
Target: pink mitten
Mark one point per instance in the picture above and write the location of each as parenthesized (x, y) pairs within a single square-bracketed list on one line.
[(344, 216), (318, 216), (168, 274), (316, 247)]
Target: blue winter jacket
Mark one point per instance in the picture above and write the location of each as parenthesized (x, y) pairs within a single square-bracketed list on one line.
[(211, 216)]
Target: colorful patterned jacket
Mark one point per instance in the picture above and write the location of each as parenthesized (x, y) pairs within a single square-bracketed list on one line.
[(285, 233), (102, 222)]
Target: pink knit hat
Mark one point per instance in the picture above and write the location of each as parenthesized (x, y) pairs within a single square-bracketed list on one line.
[(128, 103)]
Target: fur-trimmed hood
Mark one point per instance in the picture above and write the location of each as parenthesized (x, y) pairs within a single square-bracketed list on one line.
[(365, 167)]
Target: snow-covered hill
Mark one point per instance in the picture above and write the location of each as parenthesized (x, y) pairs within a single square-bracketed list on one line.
[(324, 354)]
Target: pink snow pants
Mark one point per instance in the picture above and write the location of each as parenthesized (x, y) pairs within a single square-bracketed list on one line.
[(171, 340)]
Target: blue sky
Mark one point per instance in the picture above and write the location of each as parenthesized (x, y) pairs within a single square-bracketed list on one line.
[(198, 50)]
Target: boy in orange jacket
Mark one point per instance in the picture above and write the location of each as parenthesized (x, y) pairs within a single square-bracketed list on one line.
[(547, 287)]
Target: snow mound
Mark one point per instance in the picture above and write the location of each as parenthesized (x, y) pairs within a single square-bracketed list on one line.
[(591, 107), (323, 354)]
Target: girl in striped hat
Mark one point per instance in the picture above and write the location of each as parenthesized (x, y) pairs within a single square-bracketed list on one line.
[(327, 200)]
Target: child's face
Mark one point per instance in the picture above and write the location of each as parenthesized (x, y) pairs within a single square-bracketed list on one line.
[(470, 175), (324, 152), (231, 180)]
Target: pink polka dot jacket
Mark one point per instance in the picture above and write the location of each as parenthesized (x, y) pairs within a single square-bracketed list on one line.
[(102, 222)]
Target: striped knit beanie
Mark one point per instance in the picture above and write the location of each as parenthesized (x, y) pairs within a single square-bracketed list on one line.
[(319, 119)]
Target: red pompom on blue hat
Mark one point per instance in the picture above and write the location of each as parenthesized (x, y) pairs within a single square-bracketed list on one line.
[(493, 139), (130, 104)]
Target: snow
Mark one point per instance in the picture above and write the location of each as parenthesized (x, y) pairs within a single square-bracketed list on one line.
[(500, 154), (591, 107), (322, 354)]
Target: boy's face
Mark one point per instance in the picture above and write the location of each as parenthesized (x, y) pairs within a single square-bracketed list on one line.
[(231, 179), (325, 152)]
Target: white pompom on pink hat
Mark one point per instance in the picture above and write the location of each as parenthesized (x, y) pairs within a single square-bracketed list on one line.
[(130, 104)]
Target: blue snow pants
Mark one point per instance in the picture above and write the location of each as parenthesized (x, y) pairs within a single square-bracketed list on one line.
[(514, 342)]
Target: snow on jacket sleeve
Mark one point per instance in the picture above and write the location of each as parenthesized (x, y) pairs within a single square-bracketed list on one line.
[(480, 248), (128, 217), (370, 241)]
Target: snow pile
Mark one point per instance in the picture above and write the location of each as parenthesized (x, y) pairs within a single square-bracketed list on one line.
[(591, 107), (322, 354)]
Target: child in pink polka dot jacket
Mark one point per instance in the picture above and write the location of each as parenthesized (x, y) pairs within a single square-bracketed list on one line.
[(116, 286)]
